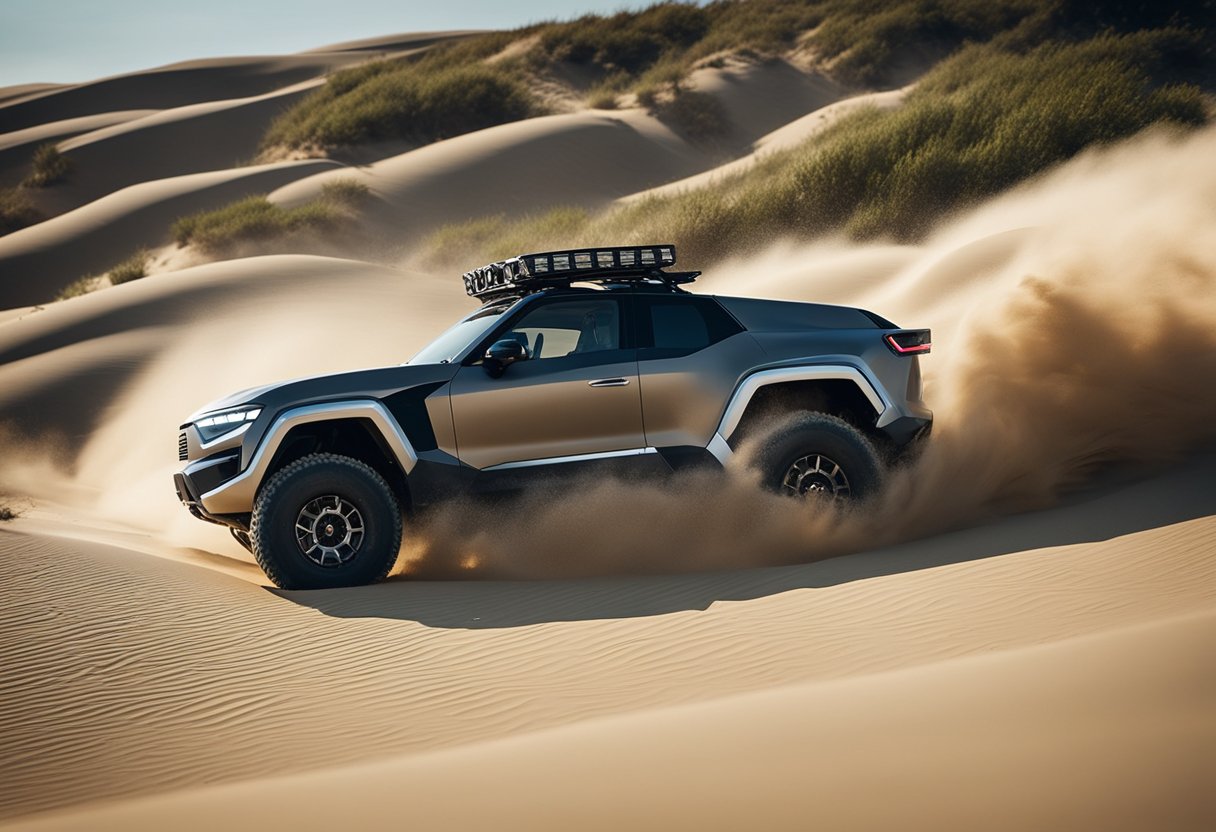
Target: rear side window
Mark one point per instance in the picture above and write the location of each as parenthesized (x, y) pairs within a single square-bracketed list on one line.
[(683, 324)]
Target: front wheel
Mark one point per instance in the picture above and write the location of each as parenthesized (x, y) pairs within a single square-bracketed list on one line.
[(819, 455), (325, 521)]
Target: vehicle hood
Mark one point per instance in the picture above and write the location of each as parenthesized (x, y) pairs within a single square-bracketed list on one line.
[(358, 384)]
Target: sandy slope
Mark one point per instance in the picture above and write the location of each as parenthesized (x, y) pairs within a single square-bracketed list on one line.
[(36, 262), (757, 98), (1117, 736), (395, 43), (223, 681), (17, 148), (586, 159), (783, 138), (175, 85), (12, 93), (211, 136)]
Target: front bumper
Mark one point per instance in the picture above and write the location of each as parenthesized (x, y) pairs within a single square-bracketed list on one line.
[(205, 475)]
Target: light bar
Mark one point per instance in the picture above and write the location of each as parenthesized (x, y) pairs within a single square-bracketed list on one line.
[(576, 264)]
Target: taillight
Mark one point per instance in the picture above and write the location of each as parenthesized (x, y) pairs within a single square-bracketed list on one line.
[(910, 341)]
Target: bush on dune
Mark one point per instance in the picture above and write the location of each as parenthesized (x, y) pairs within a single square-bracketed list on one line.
[(49, 167), (257, 219), (16, 211), (78, 287), (979, 123), (414, 102), (133, 268)]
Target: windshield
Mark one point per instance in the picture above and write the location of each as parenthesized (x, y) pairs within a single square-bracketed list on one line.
[(457, 338)]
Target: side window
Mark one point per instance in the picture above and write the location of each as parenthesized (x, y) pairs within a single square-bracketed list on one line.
[(684, 324), (569, 327)]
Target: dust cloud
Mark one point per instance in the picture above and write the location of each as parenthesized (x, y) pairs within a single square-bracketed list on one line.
[(1074, 329)]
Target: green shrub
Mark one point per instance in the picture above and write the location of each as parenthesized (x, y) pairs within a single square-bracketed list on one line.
[(346, 191), (257, 219), (50, 166), (602, 99), (698, 117), (419, 102), (133, 268), (78, 287), (16, 211)]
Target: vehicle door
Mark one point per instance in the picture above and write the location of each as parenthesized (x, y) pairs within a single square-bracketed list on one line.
[(575, 394), (691, 354)]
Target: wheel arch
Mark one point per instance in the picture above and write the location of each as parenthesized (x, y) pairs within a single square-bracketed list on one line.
[(844, 392), (355, 437)]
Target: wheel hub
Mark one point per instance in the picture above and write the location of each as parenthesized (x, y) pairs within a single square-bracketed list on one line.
[(329, 530), (816, 474)]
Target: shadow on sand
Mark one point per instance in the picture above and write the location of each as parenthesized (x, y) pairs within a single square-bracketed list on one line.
[(1111, 510)]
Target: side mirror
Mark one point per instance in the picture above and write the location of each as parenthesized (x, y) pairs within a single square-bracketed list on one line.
[(503, 354)]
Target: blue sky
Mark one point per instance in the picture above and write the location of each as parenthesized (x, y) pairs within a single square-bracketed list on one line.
[(78, 40)]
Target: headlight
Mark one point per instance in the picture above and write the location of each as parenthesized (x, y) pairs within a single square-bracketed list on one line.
[(226, 422)]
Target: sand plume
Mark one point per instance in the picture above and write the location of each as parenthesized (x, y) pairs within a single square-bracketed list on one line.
[(1091, 343)]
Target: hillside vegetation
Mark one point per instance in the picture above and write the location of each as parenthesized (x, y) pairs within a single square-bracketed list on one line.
[(981, 121), (489, 79), (256, 218)]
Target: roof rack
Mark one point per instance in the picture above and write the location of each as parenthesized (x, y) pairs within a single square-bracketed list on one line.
[(530, 273)]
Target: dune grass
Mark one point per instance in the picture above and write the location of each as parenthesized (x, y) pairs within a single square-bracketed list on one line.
[(133, 268), (79, 286), (415, 101), (257, 219), (49, 167), (487, 79), (16, 211), (979, 123)]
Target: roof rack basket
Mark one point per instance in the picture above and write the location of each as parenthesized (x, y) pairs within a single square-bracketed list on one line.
[(530, 273)]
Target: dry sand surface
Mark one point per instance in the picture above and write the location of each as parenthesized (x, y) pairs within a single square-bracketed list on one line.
[(1018, 635)]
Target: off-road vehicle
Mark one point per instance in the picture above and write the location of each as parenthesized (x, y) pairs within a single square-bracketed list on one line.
[(588, 360)]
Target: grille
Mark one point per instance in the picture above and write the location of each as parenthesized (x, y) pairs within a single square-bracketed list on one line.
[(183, 452)]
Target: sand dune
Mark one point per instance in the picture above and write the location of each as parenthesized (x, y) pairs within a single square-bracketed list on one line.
[(211, 136), (17, 148), (395, 43), (36, 262), (585, 159), (1092, 745), (175, 85), (16, 91), (784, 137), (757, 98)]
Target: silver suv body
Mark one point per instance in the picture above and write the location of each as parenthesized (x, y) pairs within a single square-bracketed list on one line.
[(564, 369)]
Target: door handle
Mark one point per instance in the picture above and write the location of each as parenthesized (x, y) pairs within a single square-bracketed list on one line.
[(608, 382)]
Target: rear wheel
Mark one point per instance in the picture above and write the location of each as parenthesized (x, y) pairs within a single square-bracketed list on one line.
[(817, 455), (325, 521)]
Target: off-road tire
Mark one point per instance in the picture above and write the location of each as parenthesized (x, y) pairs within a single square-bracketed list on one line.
[(280, 501), (811, 434)]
